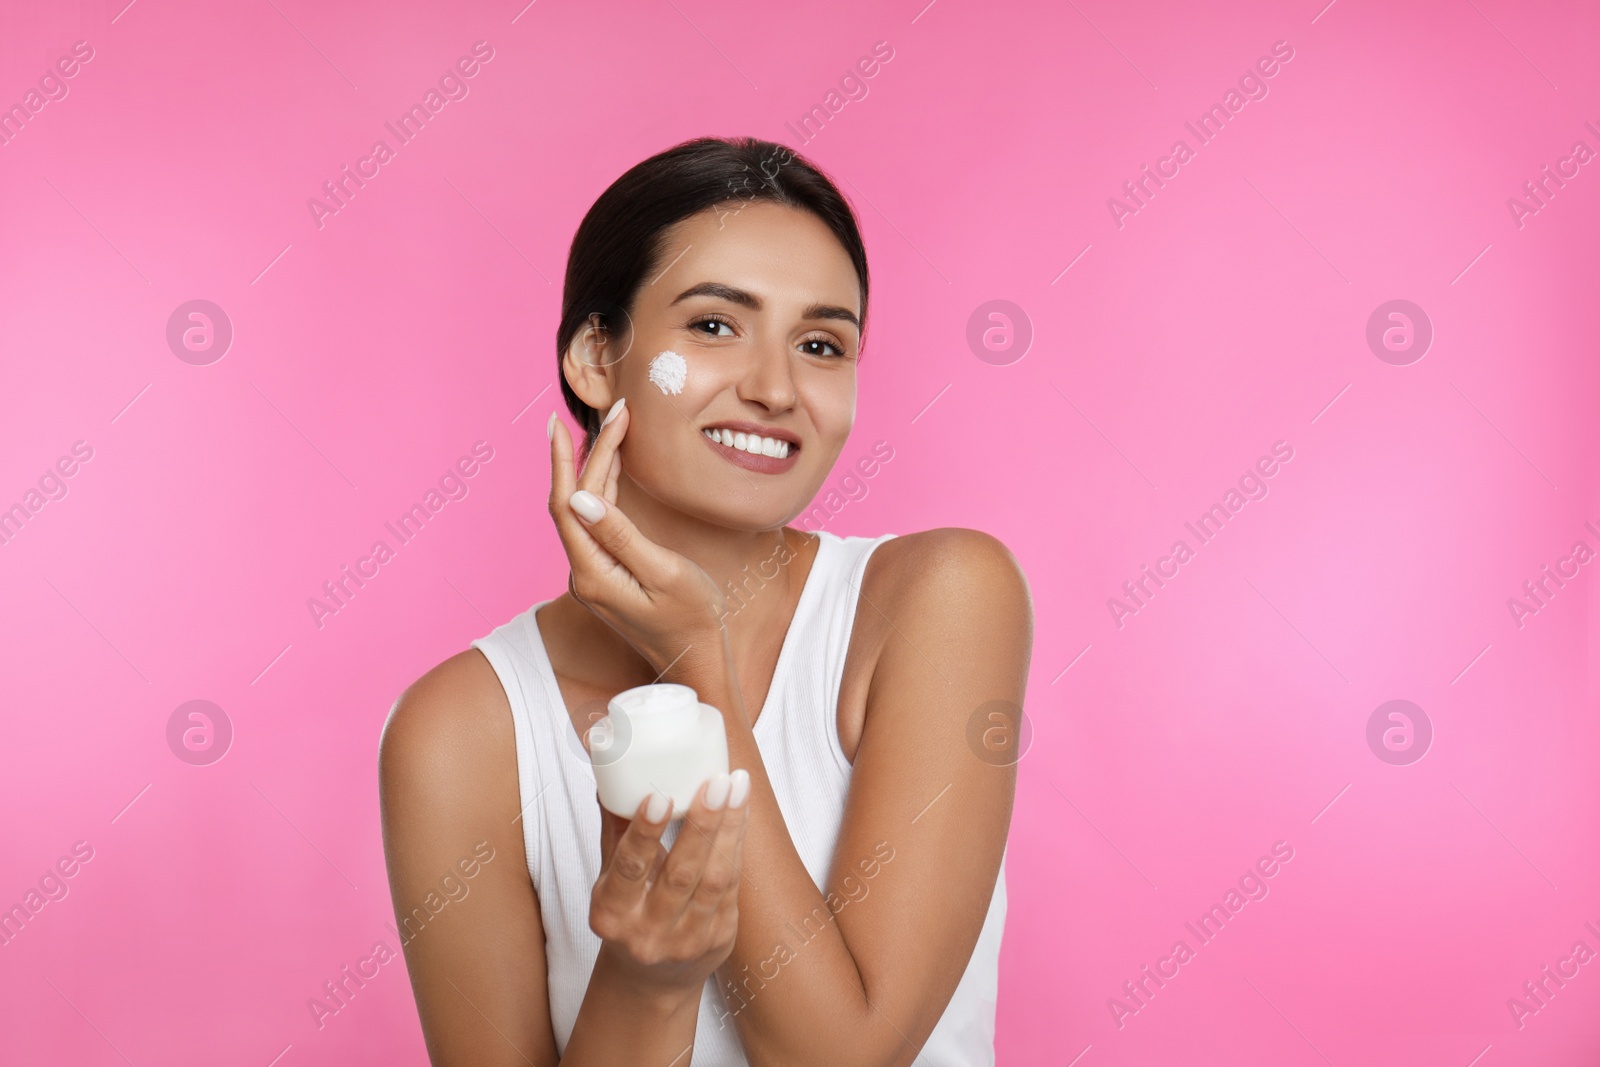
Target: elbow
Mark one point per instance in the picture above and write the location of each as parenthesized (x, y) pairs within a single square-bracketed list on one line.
[(866, 1039)]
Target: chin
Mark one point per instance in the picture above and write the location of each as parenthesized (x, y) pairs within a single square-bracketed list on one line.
[(733, 506), (747, 511), (720, 493)]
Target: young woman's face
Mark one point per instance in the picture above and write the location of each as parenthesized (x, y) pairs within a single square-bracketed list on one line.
[(758, 310)]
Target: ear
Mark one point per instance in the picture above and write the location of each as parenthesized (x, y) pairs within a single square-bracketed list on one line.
[(589, 362)]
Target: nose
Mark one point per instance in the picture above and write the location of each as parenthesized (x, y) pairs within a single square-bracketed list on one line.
[(769, 379)]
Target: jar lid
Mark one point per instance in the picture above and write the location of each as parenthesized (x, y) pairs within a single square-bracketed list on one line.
[(648, 700)]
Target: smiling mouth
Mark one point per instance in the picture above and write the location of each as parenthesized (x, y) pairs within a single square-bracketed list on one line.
[(751, 444)]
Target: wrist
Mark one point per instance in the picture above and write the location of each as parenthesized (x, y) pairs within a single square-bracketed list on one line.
[(701, 661), (661, 1001)]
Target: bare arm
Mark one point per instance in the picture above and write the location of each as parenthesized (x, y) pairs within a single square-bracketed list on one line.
[(862, 977), (448, 777), (448, 780)]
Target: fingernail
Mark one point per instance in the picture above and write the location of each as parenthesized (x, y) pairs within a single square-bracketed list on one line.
[(740, 789), (717, 792), (589, 507), (615, 409), (656, 810), (550, 427)]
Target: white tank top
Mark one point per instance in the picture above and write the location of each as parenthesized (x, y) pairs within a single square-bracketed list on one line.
[(797, 733)]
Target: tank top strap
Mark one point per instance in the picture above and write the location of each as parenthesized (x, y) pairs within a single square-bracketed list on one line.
[(517, 653), (821, 632)]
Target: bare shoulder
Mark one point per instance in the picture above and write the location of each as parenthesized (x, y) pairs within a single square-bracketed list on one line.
[(949, 568), (944, 596), (453, 719)]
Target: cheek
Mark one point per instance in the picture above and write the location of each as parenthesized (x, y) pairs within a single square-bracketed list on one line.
[(654, 425), (832, 407), (661, 429)]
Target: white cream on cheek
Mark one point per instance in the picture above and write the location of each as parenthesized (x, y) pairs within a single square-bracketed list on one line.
[(668, 372)]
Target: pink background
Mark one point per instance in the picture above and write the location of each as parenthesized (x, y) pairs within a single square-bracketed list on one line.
[(1229, 313)]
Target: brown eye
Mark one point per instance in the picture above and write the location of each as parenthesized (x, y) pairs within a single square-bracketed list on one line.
[(712, 320), (824, 342)]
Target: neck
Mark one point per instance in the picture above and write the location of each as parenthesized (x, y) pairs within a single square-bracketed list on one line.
[(740, 562), (761, 574)]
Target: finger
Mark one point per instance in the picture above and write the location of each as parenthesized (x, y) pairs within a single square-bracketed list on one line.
[(581, 549), (612, 478), (560, 459), (686, 863), (722, 874), (608, 539), (634, 857), (615, 535), (598, 464), (737, 823), (612, 827)]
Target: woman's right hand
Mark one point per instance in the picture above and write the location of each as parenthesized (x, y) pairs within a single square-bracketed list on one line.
[(667, 920)]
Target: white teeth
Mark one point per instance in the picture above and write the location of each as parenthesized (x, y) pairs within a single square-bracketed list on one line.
[(754, 444)]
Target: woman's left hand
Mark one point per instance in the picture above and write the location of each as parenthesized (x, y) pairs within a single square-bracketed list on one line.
[(661, 602)]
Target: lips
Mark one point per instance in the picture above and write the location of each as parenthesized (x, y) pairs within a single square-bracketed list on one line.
[(752, 443), (764, 449)]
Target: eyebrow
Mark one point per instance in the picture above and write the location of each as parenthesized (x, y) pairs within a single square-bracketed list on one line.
[(753, 302)]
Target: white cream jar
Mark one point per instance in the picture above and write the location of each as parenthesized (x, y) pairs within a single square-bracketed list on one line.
[(656, 739)]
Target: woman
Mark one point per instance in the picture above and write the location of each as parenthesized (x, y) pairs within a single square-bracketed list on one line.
[(839, 898)]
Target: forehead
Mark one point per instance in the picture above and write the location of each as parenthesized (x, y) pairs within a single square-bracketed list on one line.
[(784, 255)]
